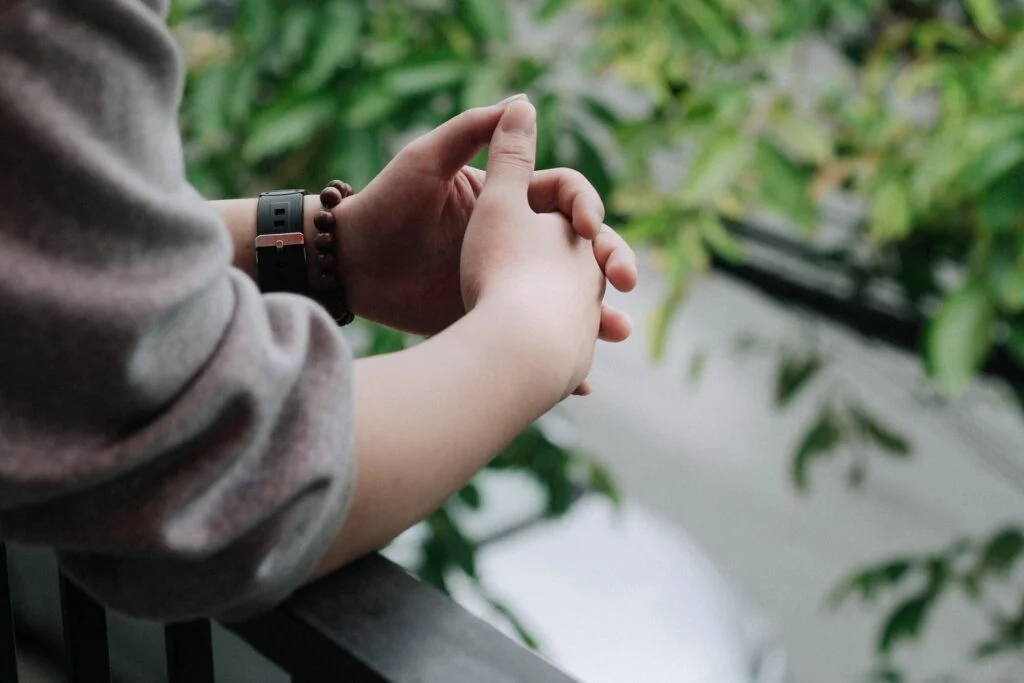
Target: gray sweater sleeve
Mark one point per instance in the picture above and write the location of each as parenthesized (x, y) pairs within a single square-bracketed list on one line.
[(183, 442)]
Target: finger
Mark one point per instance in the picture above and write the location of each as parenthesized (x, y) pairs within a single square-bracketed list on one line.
[(584, 389), (616, 325), (513, 150), (568, 191), (456, 142), (617, 259)]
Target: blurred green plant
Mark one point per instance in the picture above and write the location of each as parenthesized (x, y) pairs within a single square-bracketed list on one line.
[(910, 109), (913, 110)]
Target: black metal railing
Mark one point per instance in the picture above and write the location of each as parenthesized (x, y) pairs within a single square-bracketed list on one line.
[(371, 621)]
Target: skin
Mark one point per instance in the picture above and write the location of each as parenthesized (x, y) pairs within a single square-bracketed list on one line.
[(505, 269)]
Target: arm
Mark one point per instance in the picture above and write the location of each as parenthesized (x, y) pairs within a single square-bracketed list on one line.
[(533, 291), (182, 442), (459, 398)]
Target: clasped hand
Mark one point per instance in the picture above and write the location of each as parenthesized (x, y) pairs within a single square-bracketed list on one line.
[(402, 245)]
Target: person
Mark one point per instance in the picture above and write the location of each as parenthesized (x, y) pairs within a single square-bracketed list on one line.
[(190, 446)]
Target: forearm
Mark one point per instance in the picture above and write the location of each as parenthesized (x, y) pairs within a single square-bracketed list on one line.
[(430, 417)]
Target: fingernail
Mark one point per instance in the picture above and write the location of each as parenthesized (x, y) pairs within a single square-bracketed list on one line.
[(520, 117), (520, 96)]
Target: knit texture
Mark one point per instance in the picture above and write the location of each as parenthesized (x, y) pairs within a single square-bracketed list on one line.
[(183, 442)]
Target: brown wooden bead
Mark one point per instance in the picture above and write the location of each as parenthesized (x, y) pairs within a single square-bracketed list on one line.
[(325, 221), (344, 188), (331, 300), (327, 280), (324, 242), (326, 262), (331, 197)]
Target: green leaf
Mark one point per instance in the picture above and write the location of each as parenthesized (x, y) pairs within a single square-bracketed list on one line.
[(255, 23), (1006, 277), (470, 495), (454, 544), (882, 436), (823, 436), (999, 207), (994, 648), (550, 8), (718, 238), (868, 583), (686, 257), (435, 564), (384, 340), (695, 368), (1002, 552), (549, 115), (529, 640), (488, 19), (484, 86), (714, 27), (805, 139), (244, 84), (793, 376), (662, 317), (360, 153), (295, 28), (601, 482), (421, 78), (714, 171), (591, 163), (986, 16), (933, 176), (286, 127), (371, 105), (993, 165), (886, 675), (906, 621), (890, 212), (785, 186), (561, 494), (1015, 342), (208, 92), (959, 338), (337, 46)]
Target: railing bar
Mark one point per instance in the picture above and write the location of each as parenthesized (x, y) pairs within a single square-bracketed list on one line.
[(8, 640), (85, 635), (189, 652)]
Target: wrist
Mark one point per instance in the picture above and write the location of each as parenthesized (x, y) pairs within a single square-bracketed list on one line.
[(530, 336), (351, 264)]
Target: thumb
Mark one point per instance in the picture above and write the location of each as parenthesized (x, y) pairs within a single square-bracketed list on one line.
[(513, 150)]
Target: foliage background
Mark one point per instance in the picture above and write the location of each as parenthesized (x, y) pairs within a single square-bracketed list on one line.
[(918, 121)]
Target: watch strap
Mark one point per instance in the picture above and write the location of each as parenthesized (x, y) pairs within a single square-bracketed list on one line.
[(281, 242)]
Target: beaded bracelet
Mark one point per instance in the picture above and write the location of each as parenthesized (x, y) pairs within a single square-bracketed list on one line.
[(328, 288)]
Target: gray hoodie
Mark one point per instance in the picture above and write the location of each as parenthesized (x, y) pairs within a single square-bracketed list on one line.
[(182, 442)]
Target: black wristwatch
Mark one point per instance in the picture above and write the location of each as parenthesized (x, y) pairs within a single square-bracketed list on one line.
[(281, 242)]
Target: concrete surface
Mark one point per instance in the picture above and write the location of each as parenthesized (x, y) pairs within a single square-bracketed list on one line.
[(713, 458)]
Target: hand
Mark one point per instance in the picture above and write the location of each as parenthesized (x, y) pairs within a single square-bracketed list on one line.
[(528, 260), (401, 237)]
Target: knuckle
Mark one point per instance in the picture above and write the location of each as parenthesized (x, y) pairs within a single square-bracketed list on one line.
[(516, 142), (515, 155), (419, 149), (573, 177)]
